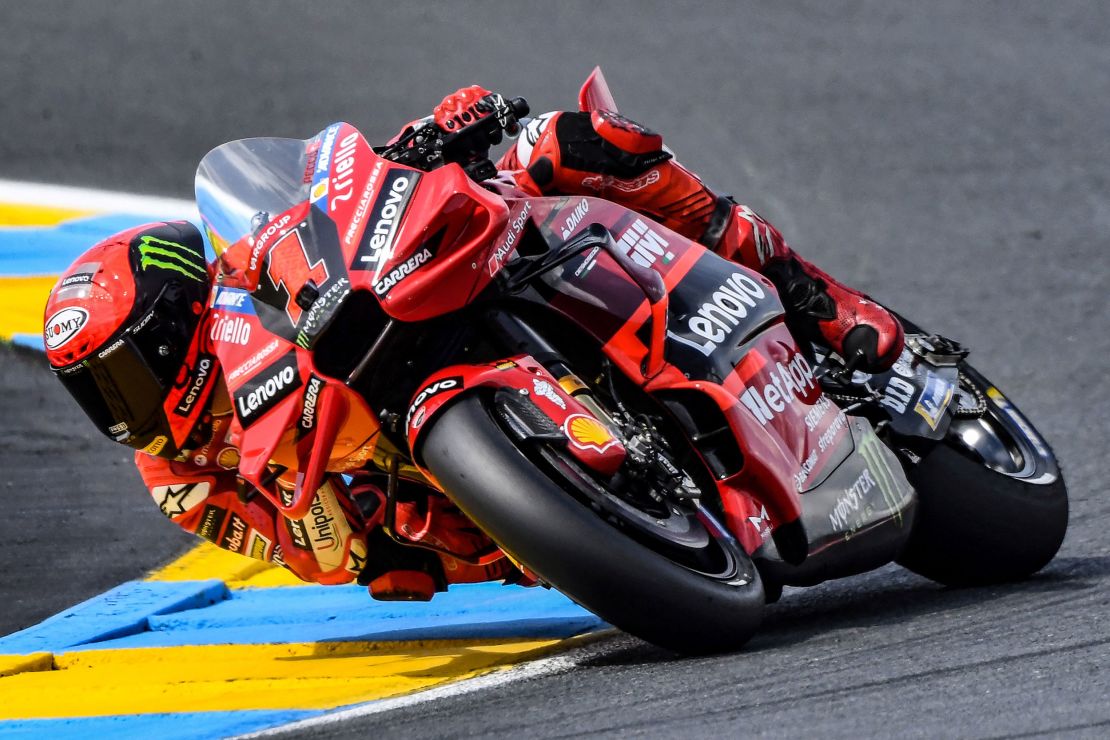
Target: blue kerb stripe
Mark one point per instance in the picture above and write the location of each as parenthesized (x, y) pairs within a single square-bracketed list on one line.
[(162, 726), (170, 614), (117, 613), (39, 250)]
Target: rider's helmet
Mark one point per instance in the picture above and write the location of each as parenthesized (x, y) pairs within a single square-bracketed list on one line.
[(123, 334)]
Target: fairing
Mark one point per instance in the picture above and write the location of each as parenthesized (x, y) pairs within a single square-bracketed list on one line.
[(300, 226)]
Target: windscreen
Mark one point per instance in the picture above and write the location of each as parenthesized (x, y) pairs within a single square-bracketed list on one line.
[(241, 185)]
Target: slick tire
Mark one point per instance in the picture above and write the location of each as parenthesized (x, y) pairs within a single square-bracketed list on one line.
[(542, 525), (978, 525)]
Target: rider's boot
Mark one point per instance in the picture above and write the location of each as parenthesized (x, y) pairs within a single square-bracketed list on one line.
[(609, 156), (409, 572), (819, 307)]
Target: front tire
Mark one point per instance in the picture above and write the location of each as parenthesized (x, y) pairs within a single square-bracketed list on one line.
[(993, 505), (531, 512)]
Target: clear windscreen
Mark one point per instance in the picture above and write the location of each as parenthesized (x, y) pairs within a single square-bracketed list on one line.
[(243, 184)]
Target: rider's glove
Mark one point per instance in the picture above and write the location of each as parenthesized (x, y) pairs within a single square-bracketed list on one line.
[(462, 108)]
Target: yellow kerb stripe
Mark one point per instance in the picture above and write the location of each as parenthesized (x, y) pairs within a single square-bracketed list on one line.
[(208, 561), (22, 300), (233, 677), (21, 215)]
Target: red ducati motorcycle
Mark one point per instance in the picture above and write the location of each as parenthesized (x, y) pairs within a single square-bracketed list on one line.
[(623, 412)]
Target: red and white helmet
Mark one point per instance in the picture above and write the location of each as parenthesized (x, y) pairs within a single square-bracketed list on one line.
[(123, 335)]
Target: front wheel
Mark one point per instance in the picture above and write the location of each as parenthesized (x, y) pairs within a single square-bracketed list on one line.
[(992, 506), (687, 587)]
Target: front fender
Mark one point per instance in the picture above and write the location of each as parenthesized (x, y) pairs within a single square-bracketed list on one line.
[(586, 437)]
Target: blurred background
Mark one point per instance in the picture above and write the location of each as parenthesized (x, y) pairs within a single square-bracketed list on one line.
[(951, 158)]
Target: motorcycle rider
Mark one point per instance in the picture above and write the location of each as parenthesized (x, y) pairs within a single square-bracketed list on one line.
[(128, 334)]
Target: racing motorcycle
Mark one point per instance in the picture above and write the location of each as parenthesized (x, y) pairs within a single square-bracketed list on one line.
[(624, 413)]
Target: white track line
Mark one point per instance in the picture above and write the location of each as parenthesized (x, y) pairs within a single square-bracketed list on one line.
[(89, 199), (549, 666)]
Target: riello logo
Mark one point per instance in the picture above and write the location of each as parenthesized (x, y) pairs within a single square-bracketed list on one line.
[(64, 326)]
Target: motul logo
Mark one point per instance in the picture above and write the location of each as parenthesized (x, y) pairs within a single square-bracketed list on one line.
[(64, 326)]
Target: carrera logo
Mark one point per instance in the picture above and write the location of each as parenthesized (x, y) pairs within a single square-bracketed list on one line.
[(64, 326), (389, 210), (402, 271), (788, 384), (267, 389), (587, 433), (308, 410), (196, 385), (422, 397), (729, 304)]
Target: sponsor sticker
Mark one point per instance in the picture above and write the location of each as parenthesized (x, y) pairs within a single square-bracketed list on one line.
[(159, 254), (233, 300), (179, 498), (259, 546), (441, 385), (717, 317), (267, 389), (505, 248), (587, 433), (308, 406), (934, 399), (643, 245), (235, 536), (376, 245), (64, 325), (211, 522), (198, 380), (786, 384), (254, 361), (545, 390), (156, 446), (228, 458)]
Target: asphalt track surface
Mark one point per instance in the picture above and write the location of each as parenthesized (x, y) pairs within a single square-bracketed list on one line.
[(949, 158)]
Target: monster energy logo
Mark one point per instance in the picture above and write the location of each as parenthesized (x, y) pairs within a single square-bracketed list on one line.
[(164, 255), (876, 457)]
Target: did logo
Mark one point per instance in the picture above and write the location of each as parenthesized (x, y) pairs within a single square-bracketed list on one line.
[(64, 326)]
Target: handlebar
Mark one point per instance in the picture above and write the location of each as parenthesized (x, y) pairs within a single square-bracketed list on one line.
[(429, 146)]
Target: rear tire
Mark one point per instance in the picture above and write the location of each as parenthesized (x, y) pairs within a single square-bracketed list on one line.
[(536, 519), (987, 516)]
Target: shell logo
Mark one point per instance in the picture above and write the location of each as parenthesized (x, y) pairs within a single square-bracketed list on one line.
[(587, 433)]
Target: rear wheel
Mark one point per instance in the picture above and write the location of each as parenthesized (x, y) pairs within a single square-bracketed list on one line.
[(667, 573), (993, 505)]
